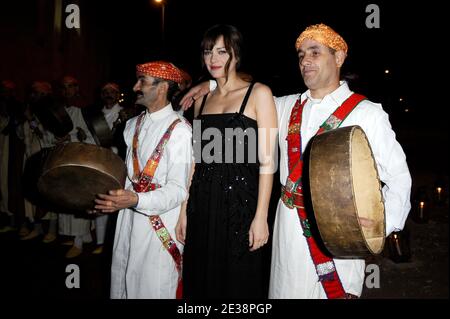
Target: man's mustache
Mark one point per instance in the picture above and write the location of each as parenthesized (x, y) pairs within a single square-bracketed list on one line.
[(138, 92)]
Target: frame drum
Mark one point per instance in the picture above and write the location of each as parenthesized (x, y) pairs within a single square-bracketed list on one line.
[(345, 189), (74, 173)]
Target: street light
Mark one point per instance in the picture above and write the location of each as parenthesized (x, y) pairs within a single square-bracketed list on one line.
[(163, 5)]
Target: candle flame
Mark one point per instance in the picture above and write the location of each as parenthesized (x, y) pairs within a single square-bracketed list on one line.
[(422, 204)]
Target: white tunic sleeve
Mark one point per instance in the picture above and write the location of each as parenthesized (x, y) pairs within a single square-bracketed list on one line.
[(178, 155), (393, 171), (391, 161)]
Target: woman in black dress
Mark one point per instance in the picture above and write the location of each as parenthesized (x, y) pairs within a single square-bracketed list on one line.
[(230, 190)]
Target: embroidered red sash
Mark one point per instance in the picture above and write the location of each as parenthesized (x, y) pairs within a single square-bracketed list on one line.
[(292, 194), (142, 183)]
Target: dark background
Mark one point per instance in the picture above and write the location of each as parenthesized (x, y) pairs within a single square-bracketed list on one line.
[(115, 36)]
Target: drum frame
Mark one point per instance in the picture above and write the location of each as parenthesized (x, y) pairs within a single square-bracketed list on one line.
[(74, 173), (343, 175)]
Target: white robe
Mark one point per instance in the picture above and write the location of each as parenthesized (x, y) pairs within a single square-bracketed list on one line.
[(101, 221), (293, 274), (70, 225), (33, 144), (141, 266), (112, 114), (77, 118)]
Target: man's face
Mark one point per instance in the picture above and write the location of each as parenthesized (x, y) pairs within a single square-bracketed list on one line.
[(69, 89), (36, 95), (110, 96), (7, 89), (145, 89), (318, 66)]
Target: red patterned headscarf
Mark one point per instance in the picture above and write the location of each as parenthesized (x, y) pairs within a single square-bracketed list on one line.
[(112, 86), (161, 69), (41, 87)]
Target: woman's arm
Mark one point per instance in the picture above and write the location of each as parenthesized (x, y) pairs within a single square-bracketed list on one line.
[(180, 228), (266, 117)]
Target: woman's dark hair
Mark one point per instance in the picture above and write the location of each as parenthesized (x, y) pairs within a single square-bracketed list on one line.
[(232, 39)]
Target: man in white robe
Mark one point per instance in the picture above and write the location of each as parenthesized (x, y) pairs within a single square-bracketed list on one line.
[(37, 138), (293, 274), (142, 267), (69, 224), (110, 95)]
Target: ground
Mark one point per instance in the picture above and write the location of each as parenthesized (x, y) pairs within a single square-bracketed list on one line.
[(32, 269)]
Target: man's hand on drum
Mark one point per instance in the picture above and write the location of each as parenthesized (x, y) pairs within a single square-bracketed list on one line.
[(366, 222), (60, 140), (81, 134), (115, 200)]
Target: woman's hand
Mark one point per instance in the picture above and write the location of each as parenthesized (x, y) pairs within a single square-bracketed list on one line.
[(258, 234), (194, 94), (61, 140), (180, 228)]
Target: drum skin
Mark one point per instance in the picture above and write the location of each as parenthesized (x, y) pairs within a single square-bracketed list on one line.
[(74, 173), (345, 188)]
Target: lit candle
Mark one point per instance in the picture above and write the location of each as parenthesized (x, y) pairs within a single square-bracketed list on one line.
[(397, 244), (439, 190), (421, 209)]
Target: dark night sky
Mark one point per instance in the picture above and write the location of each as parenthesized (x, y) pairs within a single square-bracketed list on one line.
[(270, 30), (130, 31)]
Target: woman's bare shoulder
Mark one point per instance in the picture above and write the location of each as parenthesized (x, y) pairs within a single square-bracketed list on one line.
[(262, 90)]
